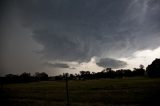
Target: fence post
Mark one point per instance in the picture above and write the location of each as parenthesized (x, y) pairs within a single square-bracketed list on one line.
[(67, 89)]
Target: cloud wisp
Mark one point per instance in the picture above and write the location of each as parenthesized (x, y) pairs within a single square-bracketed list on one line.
[(56, 65)]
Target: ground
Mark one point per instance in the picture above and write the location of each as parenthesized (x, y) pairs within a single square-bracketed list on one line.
[(135, 91)]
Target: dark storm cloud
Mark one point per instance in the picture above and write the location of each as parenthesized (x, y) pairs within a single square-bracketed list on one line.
[(56, 65), (76, 30), (111, 63)]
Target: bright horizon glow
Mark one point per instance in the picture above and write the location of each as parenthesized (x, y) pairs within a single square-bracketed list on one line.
[(144, 57)]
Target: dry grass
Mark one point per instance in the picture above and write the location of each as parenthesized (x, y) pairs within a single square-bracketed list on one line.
[(104, 92)]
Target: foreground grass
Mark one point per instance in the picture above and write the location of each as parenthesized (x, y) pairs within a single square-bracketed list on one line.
[(127, 91)]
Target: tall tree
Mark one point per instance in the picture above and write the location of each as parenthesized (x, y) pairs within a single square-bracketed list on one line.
[(153, 70)]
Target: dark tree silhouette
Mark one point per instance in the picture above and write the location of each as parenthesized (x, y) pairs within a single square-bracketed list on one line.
[(85, 75), (11, 78), (119, 73), (139, 71), (25, 77), (124, 73), (153, 70), (127, 73), (110, 73), (41, 76), (59, 77)]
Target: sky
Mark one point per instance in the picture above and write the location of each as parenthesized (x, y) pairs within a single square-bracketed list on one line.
[(57, 36)]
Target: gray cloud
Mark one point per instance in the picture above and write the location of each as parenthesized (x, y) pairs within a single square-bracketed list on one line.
[(78, 30), (56, 65), (111, 63)]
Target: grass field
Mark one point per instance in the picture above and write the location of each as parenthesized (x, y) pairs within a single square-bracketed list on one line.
[(104, 92)]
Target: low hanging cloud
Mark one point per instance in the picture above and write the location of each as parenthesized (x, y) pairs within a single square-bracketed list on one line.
[(56, 65), (111, 63)]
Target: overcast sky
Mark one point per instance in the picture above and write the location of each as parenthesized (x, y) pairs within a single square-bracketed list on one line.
[(56, 36)]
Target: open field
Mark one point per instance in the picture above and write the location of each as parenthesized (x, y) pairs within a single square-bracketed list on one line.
[(104, 92)]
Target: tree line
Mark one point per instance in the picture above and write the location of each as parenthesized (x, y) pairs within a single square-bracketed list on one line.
[(152, 70), (24, 78), (106, 73)]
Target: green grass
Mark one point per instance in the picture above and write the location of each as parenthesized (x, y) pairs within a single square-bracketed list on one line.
[(104, 92)]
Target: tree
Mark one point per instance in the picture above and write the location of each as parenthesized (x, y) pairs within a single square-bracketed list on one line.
[(72, 77), (127, 72), (11, 78), (119, 73), (111, 73), (85, 75), (41, 76), (141, 66), (153, 70), (139, 71), (25, 77)]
